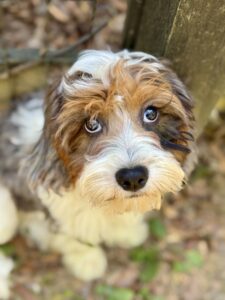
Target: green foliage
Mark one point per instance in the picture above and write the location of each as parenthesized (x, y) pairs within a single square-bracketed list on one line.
[(201, 171), (157, 228), (145, 294), (66, 295), (8, 249), (48, 278), (192, 260), (114, 293), (150, 261)]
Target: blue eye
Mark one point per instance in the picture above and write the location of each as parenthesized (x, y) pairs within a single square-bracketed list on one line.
[(150, 114), (93, 126)]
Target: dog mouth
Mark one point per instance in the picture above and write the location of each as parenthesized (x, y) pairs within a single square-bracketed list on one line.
[(133, 202), (135, 196), (132, 196)]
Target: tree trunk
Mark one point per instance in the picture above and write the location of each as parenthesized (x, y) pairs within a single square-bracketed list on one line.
[(192, 35)]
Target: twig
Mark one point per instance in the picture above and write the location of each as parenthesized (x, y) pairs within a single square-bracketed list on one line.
[(64, 55), (82, 40)]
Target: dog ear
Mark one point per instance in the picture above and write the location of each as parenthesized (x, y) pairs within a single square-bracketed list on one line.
[(178, 88), (43, 166), (181, 92)]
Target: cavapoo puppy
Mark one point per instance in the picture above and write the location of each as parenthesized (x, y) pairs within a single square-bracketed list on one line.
[(82, 165)]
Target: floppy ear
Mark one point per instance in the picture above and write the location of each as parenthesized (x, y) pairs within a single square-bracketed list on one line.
[(181, 92), (179, 89), (43, 166)]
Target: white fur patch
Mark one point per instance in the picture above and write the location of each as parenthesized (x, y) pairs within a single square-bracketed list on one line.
[(29, 118), (6, 266), (99, 63), (8, 216)]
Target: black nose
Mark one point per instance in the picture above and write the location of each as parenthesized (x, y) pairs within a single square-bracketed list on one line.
[(132, 179)]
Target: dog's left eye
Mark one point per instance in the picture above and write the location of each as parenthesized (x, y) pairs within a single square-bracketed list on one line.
[(93, 126), (150, 114)]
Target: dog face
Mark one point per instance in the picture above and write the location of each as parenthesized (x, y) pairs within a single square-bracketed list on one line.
[(119, 126)]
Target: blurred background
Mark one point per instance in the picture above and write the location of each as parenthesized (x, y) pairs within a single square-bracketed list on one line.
[(184, 256)]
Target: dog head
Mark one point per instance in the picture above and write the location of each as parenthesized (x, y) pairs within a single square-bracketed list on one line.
[(118, 128)]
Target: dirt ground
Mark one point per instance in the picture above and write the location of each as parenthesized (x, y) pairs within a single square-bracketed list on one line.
[(184, 256)]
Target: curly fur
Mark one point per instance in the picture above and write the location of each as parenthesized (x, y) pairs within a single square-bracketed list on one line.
[(65, 177)]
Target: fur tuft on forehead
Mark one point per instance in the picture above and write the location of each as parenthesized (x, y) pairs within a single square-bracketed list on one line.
[(98, 85), (98, 71)]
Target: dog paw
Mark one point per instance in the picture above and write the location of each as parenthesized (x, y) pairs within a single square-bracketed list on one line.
[(8, 216), (6, 266), (35, 228), (88, 265)]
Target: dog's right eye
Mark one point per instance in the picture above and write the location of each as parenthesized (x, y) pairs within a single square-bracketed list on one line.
[(93, 126)]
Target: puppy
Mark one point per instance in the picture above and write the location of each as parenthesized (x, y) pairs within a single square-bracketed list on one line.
[(83, 166)]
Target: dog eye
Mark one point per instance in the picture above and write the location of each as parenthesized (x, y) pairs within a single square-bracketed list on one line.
[(150, 114), (93, 126)]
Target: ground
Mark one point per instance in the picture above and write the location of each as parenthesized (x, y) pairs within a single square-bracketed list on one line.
[(183, 257)]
